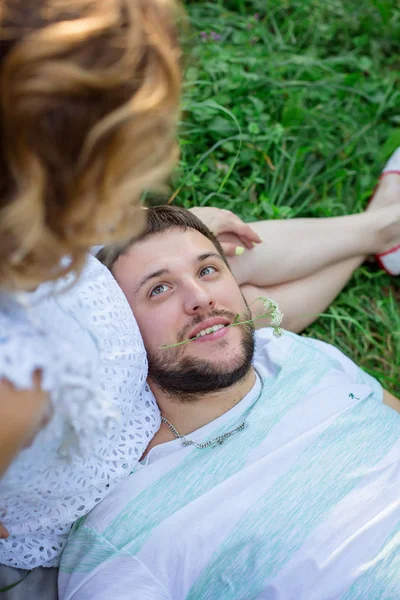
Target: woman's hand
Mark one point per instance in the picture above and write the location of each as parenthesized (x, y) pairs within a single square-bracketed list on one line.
[(22, 414), (220, 221), (3, 532)]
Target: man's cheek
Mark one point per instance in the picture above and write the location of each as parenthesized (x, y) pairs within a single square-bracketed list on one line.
[(154, 337)]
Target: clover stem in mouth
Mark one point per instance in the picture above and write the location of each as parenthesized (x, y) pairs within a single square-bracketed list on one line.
[(272, 311)]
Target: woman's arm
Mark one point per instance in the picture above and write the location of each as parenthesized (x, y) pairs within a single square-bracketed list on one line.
[(22, 414)]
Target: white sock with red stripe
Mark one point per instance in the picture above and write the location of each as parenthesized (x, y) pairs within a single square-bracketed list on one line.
[(390, 260)]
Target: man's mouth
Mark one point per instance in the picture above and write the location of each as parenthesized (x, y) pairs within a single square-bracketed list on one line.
[(208, 327), (207, 331)]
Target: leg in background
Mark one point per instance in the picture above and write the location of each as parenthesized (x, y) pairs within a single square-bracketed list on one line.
[(296, 248), (303, 264), (302, 300)]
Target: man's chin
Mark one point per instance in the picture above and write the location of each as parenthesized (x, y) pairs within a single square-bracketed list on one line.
[(196, 376), (200, 368), (227, 365), (219, 350)]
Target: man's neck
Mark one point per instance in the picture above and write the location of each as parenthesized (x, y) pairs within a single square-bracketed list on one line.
[(189, 415)]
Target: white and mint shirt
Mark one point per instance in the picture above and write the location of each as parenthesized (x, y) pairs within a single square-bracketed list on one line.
[(302, 504)]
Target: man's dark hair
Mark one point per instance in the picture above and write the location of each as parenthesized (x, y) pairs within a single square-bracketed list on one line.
[(159, 219)]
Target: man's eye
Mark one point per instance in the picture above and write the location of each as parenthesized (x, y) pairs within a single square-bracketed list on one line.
[(158, 289), (207, 271)]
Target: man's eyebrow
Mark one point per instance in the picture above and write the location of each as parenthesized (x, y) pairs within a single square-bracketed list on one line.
[(207, 255), (153, 275), (162, 272)]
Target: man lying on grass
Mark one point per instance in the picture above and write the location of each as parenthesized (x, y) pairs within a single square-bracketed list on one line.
[(276, 470)]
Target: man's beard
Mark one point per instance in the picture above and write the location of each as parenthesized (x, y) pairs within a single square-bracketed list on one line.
[(186, 377)]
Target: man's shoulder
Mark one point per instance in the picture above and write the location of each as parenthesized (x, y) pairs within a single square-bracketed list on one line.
[(293, 357), (267, 344), (290, 349)]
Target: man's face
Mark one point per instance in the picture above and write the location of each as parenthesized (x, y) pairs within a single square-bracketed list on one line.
[(178, 286)]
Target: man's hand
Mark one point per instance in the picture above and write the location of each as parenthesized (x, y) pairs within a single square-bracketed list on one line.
[(219, 221)]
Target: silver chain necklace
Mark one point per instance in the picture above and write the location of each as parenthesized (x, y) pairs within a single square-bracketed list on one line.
[(214, 442), (217, 441)]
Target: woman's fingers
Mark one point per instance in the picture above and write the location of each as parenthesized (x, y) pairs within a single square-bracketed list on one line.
[(220, 221), (3, 532), (244, 232)]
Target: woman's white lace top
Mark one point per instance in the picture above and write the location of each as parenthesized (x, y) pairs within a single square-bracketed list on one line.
[(88, 346)]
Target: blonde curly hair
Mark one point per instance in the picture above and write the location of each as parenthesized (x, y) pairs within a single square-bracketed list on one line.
[(89, 97)]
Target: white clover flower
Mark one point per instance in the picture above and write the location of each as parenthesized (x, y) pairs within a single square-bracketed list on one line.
[(269, 304), (278, 331), (276, 318), (273, 311)]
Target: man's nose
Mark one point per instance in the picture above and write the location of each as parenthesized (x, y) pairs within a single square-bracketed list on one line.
[(198, 298)]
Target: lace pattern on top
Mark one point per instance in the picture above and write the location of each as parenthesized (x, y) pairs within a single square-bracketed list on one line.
[(87, 344)]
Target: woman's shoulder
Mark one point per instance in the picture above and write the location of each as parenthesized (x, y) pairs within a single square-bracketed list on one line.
[(83, 338), (44, 329), (25, 344)]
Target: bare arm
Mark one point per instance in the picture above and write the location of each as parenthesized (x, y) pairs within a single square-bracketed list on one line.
[(22, 414), (391, 400)]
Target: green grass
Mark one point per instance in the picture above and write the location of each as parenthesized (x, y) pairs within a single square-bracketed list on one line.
[(293, 113)]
